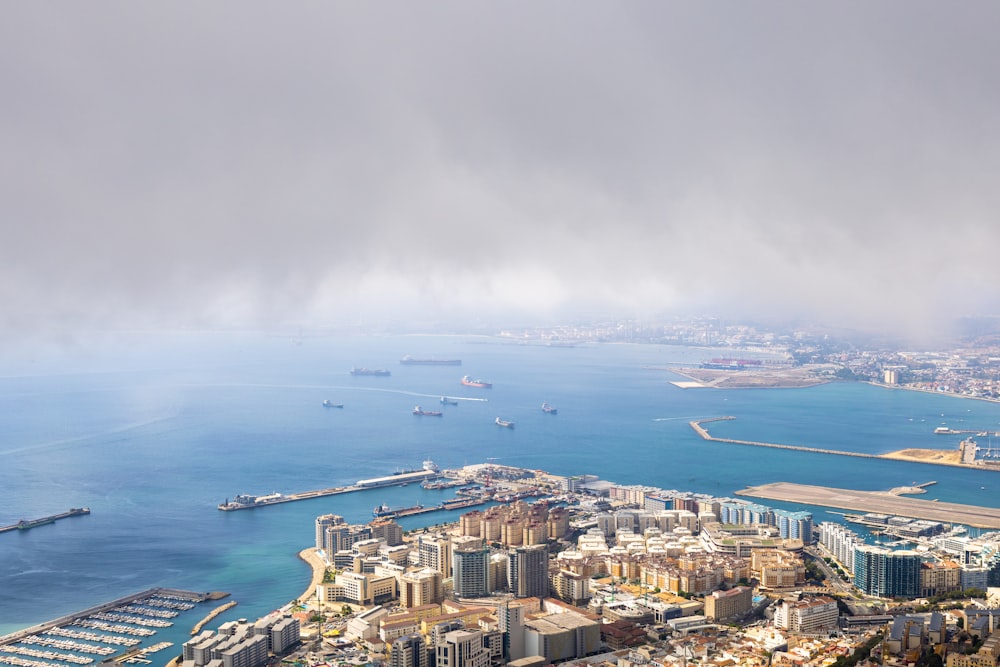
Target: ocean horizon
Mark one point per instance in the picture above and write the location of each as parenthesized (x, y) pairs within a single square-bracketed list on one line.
[(152, 432)]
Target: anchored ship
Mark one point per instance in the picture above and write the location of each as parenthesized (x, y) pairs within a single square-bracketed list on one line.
[(382, 372), (412, 361), (469, 382), (417, 410), (504, 423), (548, 409)]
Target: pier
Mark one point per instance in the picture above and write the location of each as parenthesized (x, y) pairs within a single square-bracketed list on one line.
[(25, 524), (454, 504), (278, 499), (246, 502)]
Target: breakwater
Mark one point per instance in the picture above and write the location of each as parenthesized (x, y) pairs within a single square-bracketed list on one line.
[(703, 432), (212, 614), (903, 455), (25, 524)]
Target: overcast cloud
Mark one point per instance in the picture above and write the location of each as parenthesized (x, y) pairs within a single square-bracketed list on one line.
[(194, 164)]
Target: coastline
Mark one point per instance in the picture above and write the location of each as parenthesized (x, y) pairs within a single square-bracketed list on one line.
[(701, 378), (311, 558), (255, 584), (932, 391)]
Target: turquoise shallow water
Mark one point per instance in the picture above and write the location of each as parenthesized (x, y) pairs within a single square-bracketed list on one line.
[(152, 432)]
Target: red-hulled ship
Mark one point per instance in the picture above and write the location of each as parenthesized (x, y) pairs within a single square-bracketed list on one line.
[(482, 384)]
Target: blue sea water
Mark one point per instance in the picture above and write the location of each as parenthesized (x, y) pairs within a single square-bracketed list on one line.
[(153, 432)]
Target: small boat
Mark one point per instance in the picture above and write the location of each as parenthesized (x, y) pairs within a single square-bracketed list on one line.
[(417, 410), (448, 401), (482, 384), (504, 423), (329, 404), (548, 409)]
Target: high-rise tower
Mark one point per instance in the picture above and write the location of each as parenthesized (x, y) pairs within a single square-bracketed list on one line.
[(528, 571), (470, 567)]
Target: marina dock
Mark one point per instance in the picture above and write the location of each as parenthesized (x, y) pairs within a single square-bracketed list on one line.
[(115, 627)]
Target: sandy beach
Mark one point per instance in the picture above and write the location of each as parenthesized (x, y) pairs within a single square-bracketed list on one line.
[(940, 456), (310, 556)]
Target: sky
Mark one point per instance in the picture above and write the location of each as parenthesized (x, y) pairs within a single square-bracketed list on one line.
[(250, 164)]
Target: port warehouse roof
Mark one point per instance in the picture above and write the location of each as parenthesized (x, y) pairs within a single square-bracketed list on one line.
[(397, 479)]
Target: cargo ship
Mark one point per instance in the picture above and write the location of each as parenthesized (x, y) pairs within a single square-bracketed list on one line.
[(384, 511), (382, 372), (504, 423), (327, 403), (417, 410), (413, 361), (448, 401), (482, 384), (548, 409)]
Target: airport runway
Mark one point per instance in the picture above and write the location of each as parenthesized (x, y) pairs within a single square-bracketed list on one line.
[(881, 502)]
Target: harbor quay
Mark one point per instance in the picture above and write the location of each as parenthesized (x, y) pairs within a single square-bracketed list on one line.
[(875, 501), (245, 501), (426, 476)]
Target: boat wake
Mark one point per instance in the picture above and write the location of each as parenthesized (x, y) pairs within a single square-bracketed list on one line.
[(54, 444), (327, 387)]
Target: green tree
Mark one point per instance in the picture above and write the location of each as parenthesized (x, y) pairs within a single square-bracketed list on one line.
[(846, 374)]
